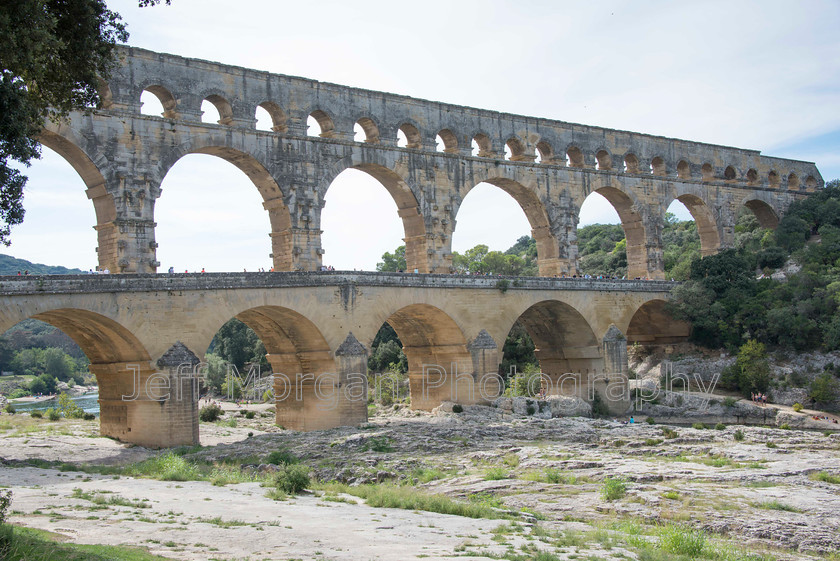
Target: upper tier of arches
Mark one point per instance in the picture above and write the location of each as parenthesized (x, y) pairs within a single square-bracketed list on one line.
[(182, 85)]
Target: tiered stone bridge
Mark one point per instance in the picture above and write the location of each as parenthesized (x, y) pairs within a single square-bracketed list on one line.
[(138, 326), (552, 166), (143, 330)]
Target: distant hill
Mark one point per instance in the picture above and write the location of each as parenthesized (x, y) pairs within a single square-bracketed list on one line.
[(10, 266)]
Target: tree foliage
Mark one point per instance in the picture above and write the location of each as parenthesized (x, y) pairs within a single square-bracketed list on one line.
[(237, 344), (53, 57), (53, 54), (730, 300)]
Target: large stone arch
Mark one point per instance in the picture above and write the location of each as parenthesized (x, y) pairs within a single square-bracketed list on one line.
[(629, 210), (651, 324), (439, 364), (708, 229), (528, 199), (404, 193), (763, 206), (92, 169), (279, 215), (133, 404), (311, 389), (565, 341)]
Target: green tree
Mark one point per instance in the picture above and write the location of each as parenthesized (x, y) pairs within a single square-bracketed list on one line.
[(57, 364), (518, 351), (237, 344), (825, 388), (53, 55), (392, 262), (216, 372), (753, 368)]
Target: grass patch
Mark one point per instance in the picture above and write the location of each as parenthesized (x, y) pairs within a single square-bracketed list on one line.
[(222, 523), (103, 498), (387, 495), (166, 467), (613, 488), (24, 544), (825, 477), (681, 540), (495, 474), (776, 505)]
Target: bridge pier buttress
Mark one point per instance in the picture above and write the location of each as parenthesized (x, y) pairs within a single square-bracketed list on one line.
[(438, 373), (331, 393), (126, 233), (148, 407)]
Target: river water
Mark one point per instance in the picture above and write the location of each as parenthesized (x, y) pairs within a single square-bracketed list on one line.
[(89, 402)]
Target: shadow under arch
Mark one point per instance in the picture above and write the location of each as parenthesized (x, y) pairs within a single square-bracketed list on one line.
[(564, 344), (707, 227), (123, 370), (91, 172), (764, 212), (407, 198), (634, 231), (550, 261), (437, 355), (282, 230), (651, 324), (310, 391)]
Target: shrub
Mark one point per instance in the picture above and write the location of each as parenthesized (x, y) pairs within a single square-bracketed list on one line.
[(613, 488), (720, 426), (69, 408), (268, 396), (52, 414), (825, 477), (650, 421), (457, 408), (797, 407), (89, 417), (784, 426), (729, 401), (698, 426), (250, 414), (19, 392), (771, 445), (824, 388), (495, 474), (599, 408), (282, 457), (5, 501), (291, 479), (669, 433), (36, 414), (378, 444), (166, 467), (738, 435), (9, 409), (210, 413), (680, 540)]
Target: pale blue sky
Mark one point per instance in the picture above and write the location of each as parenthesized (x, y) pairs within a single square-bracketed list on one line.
[(762, 74)]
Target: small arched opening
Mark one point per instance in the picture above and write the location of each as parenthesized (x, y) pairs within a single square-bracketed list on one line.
[(270, 117), (216, 109), (158, 101), (319, 123)]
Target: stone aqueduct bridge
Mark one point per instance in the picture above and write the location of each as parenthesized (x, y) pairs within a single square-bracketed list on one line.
[(143, 331), (123, 157)]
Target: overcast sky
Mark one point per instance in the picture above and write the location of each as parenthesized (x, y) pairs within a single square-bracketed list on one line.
[(762, 75)]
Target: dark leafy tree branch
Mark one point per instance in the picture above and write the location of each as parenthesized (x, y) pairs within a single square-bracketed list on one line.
[(54, 55)]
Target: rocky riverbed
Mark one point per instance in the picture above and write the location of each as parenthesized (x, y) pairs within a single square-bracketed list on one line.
[(751, 492)]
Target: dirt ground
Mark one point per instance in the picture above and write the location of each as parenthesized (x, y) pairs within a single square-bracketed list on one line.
[(759, 492)]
